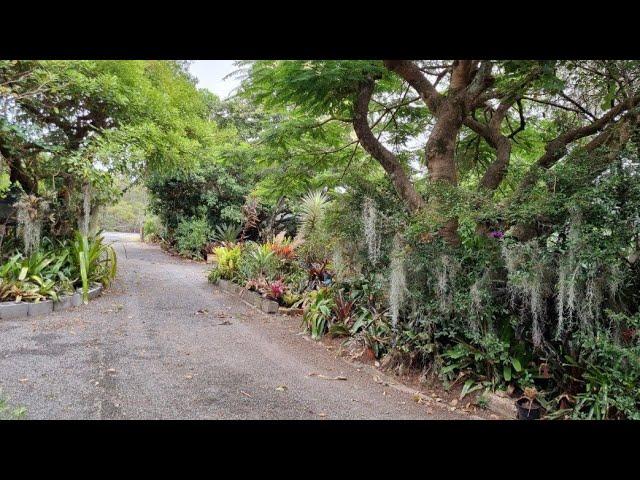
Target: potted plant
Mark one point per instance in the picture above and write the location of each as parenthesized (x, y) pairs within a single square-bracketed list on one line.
[(528, 407)]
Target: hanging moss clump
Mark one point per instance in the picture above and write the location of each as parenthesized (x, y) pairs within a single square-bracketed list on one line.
[(31, 210)]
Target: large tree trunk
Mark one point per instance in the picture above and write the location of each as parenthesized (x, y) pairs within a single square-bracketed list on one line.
[(440, 157)]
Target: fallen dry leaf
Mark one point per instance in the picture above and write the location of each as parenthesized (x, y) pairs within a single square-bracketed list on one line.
[(188, 377), (245, 394), (281, 388), (324, 377), (23, 380), (111, 370)]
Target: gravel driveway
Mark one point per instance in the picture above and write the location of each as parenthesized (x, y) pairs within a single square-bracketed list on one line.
[(164, 344)]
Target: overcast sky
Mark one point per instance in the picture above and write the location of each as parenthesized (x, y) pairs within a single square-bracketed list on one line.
[(210, 74)]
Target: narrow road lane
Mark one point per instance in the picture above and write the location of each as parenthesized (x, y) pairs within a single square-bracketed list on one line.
[(142, 351)]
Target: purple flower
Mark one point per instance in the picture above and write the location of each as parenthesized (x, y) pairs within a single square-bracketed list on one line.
[(497, 234)]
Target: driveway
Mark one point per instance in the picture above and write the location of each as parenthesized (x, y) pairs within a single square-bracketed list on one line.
[(162, 343)]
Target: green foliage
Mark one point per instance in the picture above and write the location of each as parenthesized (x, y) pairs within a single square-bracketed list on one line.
[(317, 86), (192, 235), (57, 270), (318, 312), (34, 278), (227, 233), (211, 192), (5, 183), (611, 372), (227, 260), (152, 229), (214, 275), (312, 226), (491, 361), (128, 213), (257, 262), (94, 261), (312, 211)]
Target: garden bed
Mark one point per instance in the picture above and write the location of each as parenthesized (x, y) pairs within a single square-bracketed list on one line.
[(252, 298), (18, 310)]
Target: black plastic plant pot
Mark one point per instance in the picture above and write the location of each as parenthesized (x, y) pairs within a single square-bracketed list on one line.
[(528, 410)]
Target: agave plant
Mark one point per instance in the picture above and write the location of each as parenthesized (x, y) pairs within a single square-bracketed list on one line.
[(227, 234)]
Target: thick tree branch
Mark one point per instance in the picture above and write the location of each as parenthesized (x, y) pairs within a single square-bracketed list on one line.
[(461, 74), (412, 74), (614, 136), (480, 83), (386, 158), (557, 148)]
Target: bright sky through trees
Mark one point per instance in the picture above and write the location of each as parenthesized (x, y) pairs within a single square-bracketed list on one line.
[(211, 73)]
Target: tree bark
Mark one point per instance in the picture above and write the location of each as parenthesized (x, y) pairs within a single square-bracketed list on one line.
[(386, 158), (440, 156)]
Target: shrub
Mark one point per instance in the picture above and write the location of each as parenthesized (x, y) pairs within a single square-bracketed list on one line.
[(209, 192), (227, 259), (611, 373), (257, 262), (191, 237), (152, 229)]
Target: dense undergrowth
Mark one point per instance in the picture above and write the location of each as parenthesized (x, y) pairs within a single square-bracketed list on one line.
[(558, 313)]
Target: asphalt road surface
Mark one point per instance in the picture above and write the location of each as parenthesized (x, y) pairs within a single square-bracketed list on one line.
[(162, 343)]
